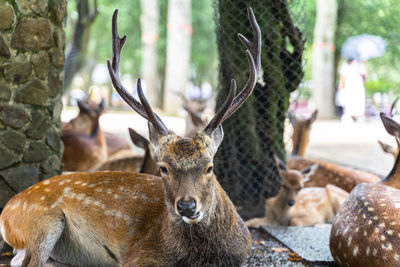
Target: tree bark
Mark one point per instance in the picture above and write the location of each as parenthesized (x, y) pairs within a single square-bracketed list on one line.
[(75, 58), (149, 24), (244, 162), (178, 53), (323, 65)]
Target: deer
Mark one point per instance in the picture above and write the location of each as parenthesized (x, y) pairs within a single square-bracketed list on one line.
[(84, 121), (194, 120), (143, 164), (296, 205), (390, 149), (327, 173), (84, 151), (366, 229), (183, 218)]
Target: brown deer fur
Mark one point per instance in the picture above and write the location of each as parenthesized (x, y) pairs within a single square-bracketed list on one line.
[(327, 173), (84, 122), (366, 230), (183, 218), (296, 205)]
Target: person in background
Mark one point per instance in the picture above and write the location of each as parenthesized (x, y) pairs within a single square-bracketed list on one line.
[(351, 90)]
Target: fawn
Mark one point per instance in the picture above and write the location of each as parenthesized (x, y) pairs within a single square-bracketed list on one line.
[(183, 218), (84, 151), (295, 205), (133, 163), (327, 173), (366, 229), (86, 119)]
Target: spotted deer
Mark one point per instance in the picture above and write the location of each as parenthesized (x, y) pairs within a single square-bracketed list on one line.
[(86, 119), (366, 229), (84, 151), (183, 218), (134, 163), (327, 173), (296, 205)]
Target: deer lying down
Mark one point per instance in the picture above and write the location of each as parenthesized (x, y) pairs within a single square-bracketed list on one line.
[(327, 173), (83, 123), (143, 164), (366, 230), (84, 151), (295, 205), (183, 218)]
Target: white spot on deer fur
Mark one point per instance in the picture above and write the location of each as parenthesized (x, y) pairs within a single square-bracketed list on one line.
[(61, 183), (43, 198), (78, 182), (46, 182), (68, 180), (25, 205), (376, 230), (349, 241), (18, 258), (381, 225), (396, 257), (96, 203), (389, 232), (355, 251), (92, 185), (370, 209), (387, 246), (36, 187), (346, 229), (367, 251), (87, 201), (108, 191), (99, 189), (84, 184), (375, 218), (374, 252), (357, 229), (117, 196), (365, 233), (80, 196), (382, 237), (47, 190), (369, 222), (364, 217)]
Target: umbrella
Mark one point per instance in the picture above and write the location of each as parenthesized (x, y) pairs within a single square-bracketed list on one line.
[(363, 47)]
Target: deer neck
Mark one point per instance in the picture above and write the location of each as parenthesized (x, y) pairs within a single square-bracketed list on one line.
[(277, 207), (97, 134), (393, 179), (300, 142)]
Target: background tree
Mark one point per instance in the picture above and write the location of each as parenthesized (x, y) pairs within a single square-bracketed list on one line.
[(244, 162)]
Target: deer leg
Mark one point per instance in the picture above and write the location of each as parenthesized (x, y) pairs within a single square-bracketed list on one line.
[(256, 222), (43, 239)]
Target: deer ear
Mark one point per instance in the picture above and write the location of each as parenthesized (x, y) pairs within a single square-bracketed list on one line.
[(314, 116), (280, 164), (391, 126), (217, 136), (138, 139), (309, 171), (83, 107)]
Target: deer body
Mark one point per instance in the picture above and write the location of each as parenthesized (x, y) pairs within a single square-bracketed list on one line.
[(183, 218), (366, 230), (295, 205)]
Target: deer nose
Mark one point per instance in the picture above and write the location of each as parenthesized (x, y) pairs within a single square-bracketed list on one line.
[(186, 208), (290, 202)]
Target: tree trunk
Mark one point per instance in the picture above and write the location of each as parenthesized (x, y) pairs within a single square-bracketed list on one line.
[(149, 23), (178, 53), (76, 55), (31, 62), (244, 162), (323, 68)]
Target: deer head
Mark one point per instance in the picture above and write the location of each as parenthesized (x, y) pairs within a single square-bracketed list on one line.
[(89, 113), (301, 132), (186, 164), (293, 180)]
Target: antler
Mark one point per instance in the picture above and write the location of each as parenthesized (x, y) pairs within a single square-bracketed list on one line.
[(143, 108), (253, 52)]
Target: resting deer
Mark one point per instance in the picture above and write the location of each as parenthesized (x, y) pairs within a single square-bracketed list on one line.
[(143, 164), (327, 173), (183, 218), (366, 230), (296, 205), (84, 151), (83, 123)]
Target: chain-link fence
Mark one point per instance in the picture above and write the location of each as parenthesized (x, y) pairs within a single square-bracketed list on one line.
[(244, 162)]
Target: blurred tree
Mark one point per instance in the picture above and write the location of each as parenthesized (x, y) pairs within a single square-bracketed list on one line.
[(76, 55), (244, 162)]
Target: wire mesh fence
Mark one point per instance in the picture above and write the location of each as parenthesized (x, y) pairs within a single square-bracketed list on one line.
[(245, 163)]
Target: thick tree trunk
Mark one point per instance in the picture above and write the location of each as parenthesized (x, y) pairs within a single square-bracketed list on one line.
[(75, 58), (31, 62), (244, 162), (149, 23), (178, 53), (323, 68)]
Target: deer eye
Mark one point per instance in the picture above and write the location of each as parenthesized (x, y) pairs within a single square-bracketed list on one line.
[(163, 170), (210, 169)]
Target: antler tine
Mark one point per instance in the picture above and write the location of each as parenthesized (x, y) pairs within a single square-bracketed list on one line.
[(117, 44), (255, 46), (217, 120), (151, 116)]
